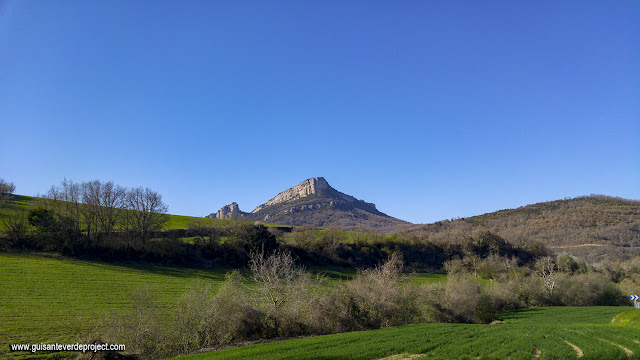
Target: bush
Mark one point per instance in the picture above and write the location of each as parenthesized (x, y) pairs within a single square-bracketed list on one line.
[(528, 290), (374, 298), (454, 302), (204, 320), (231, 317), (191, 319), (300, 314), (144, 332), (17, 228), (384, 294), (589, 290), (286, 293)]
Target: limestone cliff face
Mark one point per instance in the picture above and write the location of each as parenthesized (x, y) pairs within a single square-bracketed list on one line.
[(228, 212), (314, 202), (310, 195), (305, 188)]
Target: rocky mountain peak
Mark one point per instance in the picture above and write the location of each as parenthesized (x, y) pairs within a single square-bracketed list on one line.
[(314, 202), (231, 211), (305, 188)]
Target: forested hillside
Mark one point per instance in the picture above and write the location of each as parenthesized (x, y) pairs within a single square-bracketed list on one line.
[(591, 228)]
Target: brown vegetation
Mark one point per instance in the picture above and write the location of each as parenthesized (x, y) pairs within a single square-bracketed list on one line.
[(611, 227)]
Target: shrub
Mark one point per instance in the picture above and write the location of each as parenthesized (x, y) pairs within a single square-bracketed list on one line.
[(231, 317), (144, 332), (456, 301), (374, 298), (17, 227), (191, 319), (528, 291), (588, 290), (299, 315)]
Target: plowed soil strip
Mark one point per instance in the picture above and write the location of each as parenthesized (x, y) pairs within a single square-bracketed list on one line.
[(401, 357), (579, 352), (626, 351), (536, 353)]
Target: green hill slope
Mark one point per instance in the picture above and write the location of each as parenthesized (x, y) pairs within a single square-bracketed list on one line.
[(22, 204), (628, 318)]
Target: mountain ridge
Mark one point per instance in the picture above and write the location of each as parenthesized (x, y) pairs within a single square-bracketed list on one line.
[(313, 202), (591, 228)]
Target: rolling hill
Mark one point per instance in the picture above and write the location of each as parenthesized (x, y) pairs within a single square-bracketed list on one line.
[(592, 228)]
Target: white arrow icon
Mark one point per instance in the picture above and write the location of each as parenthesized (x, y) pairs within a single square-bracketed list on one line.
[(634, 297)]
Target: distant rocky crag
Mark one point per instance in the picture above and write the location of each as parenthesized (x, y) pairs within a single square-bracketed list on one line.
[(314, 202)]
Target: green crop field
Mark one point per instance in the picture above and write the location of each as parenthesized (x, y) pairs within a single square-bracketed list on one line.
[(48, 299), (545, 333), (182, 222)]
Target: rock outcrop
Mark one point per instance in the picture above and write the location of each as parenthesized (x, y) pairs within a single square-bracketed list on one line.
[(228, 212), (305, 188), (314, 202)]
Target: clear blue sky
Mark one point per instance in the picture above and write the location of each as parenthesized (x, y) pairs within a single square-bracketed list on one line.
[(430, 109)]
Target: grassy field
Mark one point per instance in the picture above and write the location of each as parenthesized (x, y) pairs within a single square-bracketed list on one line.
[(545, 333), (49, 299), (182, 222), (19, 204)]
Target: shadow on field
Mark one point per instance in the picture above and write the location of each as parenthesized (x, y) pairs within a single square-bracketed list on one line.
[(521, 314), (217, 274)]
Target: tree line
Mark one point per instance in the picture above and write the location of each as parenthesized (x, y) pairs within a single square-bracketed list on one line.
[(74, 217), (108, 222)]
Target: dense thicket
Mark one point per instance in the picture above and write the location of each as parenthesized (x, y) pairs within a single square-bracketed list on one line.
[(202, 245)]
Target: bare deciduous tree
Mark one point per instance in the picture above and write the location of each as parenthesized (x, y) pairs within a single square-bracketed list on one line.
[(287, 293), (66, 202), (99, 209), (273, 275), (548, 272), (112, 199), (91, 209), (6, 192), (104, 205), (146, 213)]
